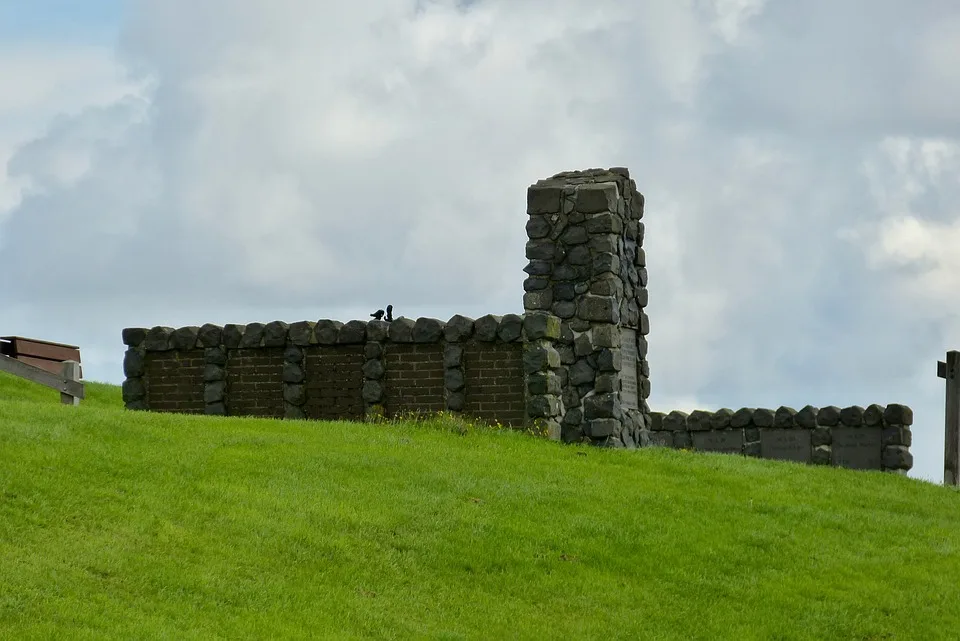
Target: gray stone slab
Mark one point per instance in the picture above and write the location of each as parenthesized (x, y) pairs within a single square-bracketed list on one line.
[(786, 445), (858, 448), (661, 439), (629, 391), (726, 441)]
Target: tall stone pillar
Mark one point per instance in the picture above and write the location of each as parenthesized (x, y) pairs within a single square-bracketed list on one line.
[(587, 266)]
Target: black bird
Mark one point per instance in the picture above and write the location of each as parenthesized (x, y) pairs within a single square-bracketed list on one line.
[(389, 313), (378, 314)]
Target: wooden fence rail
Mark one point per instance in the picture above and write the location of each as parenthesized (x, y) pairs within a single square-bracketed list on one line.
[(950, 370), (68, 382)]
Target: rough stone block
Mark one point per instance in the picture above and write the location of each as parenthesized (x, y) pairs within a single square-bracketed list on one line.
[(540, 383), (543, 406), (581, 373), (293, 412), (897, 414), (352, 333), (807, 417), (215, 409), (134, 336), (458, 328), (275, 334), (785, 417), (601, 406), (539, 267), (601, 309), (821, 436), (604, 223), (540, 249), (456, 401), (543, 199), (485, 328), (897, 435), (373, 369), (602, 427), (216, 355), (452, 356), (539, 358), (158, 339), (453, 379), (401, 330), (292, 373), (721, 419), (538, 326), (295, 394), (763, 417), (609, 360), (538, 227), (851, 416), (427, 330), (327, 331), (213, 373), (605, 264), (605, 383), (675, 421), (897, 457), (209, 335), (252, 335), (541, 300), (682, 440), (231, 335), (873, 415), (214, 392), (372, 391), (133, 363), (510, 328), (301, 333), (378, 330), (536, 284), (821, 455), (574, 235), (293, 354), (828, 416), (742, 417), (699, 420), (372, 350), (597, 197), (133, 389)]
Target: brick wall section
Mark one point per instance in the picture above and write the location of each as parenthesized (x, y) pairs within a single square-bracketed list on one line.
[(254, 383), (334, 382), (414, 378), (494, 382), (174, 381)]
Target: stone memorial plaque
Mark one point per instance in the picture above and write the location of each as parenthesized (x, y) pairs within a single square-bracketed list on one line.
[(629, 391), (786, 445), (726, 441), (859, 448), (661, 439)]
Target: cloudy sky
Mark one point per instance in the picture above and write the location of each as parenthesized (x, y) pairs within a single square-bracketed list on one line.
[(176, 163)]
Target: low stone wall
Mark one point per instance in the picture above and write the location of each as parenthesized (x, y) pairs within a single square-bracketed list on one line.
[(332, 370), (872, 438)]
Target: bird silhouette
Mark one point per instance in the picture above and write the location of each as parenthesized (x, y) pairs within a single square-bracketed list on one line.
[(378, 314), (389, 313)]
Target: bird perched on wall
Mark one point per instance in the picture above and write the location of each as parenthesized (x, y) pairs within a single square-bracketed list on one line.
[(378, 315), (389, 313)]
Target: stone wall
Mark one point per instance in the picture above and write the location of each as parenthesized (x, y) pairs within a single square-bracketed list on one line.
[(872, 438), (587, 266), (574, 364), (332, 370)]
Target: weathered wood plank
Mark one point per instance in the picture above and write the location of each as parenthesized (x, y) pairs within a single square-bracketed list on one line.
[(951, 450), (41, 349), (35, 374), (71, 372)]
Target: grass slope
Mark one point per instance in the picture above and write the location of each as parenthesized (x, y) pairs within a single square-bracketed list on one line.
[(126, 525)]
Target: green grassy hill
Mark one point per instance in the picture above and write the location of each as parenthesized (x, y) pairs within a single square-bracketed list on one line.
[(121, 525)]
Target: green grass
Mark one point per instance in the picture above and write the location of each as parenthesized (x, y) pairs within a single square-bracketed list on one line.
[(125, 525)]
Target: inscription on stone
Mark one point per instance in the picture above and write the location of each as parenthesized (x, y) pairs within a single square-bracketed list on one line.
[(859, 448), (785, 445), (629, 392), (726, 441)]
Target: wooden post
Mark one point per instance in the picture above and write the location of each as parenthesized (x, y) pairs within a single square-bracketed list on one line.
[(951, 448), (71, 372)]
